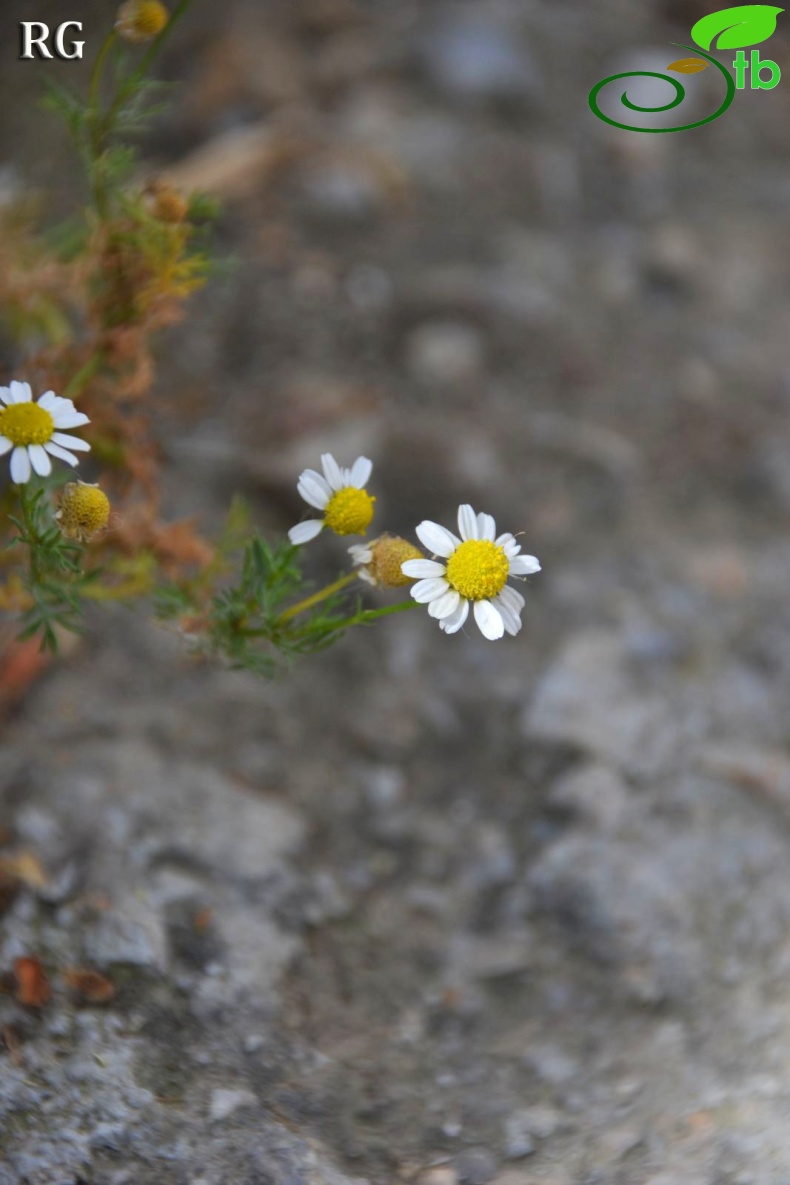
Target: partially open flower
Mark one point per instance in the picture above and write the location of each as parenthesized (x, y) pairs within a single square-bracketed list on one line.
[(84, 511), (139, 21), (379, 562)]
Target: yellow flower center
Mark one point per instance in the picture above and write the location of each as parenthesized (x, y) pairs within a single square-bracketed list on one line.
[(141, 20), (478, 569), (349, 511), (26, 423), (84, 510)]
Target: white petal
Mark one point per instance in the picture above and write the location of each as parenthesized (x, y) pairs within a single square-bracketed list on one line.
[(510, 617), (21, 393), (422, 569), (76, 442), (57, 404), (437, 539), (509, 544), (55, 450), (512, 598), (39, 460), (445, 605), (360, 473), (428, 590), (314, 489), (452, 624), (63, 418), (304, 532), (524, 565), (489, 620), (467, 522), (5, 395), (486, 527), (332, 471), (20, 466), (360, 554), (5, 445), (49, 401)]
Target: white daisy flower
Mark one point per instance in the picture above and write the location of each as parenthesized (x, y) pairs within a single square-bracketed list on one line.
[(33, 430), (475, 572), (341, 495)]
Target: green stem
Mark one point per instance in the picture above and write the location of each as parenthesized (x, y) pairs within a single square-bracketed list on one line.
[(83, 375), (98, 67), (367, 615), (362, 618), (137, 75), (26, 506), (158, 41), (99, 126), (316, 598)]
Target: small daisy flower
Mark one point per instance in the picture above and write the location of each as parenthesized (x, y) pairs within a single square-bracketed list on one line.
[(33, 430), (340, 494), (84, 511), (475, 572), (380, 562), (139, 21)]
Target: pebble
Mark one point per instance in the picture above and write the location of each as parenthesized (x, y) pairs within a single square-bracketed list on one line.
[(341, 193), (518, 1141), (133, 934), (551, 1065), (443, 353), (524, 1127), (109, 1137), (475, 1166), (443, 1174), (384, 786), (595, 793), (592, 699), (224, 1102), (474, 59)]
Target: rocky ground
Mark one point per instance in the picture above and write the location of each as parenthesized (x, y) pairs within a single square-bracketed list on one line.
[(432, 909)]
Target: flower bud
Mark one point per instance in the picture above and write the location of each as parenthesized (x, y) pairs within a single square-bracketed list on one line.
[(379, 562), (139, 21), (165, 203), (84, 511)]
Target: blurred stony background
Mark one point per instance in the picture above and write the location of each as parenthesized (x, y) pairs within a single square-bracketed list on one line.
[(432, 909)]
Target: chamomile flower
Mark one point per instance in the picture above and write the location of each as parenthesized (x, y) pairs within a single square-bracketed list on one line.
[(474, 572), (340, 494), (34, 430)]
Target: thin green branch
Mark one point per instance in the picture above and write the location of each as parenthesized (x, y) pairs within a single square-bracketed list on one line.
[(138, 74)]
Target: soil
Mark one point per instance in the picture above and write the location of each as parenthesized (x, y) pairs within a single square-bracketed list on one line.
[(431, 908)]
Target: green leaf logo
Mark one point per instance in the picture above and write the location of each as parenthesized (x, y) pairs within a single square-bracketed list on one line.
[(688, 66), (748, 24)]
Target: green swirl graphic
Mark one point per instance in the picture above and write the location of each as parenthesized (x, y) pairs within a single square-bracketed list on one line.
[(680, 95)]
